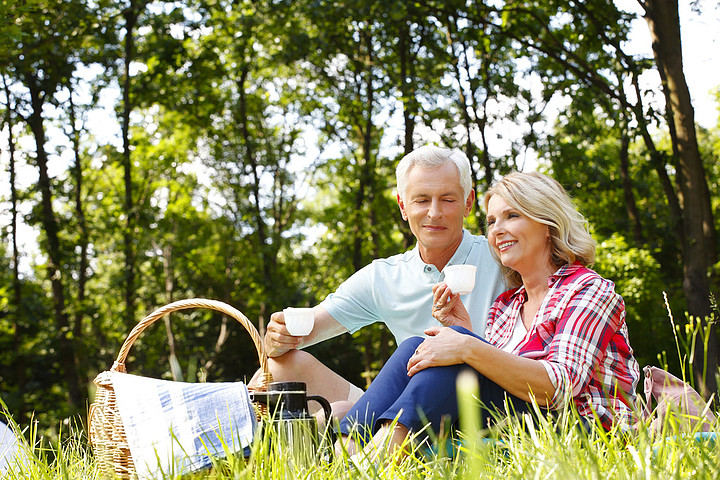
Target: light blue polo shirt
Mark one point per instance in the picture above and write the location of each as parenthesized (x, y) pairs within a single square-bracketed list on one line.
[(397, 291)]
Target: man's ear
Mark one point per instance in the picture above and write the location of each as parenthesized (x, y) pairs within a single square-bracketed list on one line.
[(469, 202), (401, 204)]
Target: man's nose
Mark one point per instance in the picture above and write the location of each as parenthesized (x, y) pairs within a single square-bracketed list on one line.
[(434, 211)]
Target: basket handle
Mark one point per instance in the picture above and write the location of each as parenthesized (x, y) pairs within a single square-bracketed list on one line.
[(119, 365)]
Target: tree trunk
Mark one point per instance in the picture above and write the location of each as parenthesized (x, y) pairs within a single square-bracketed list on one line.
[(366, 188), (18, 317), (131, 17), (83, 240), (462, 97), (254, 169), (481, 118), (169, 274), (224, 332), (267, 252), (657, 161), (630, 204), (407, 89), (66, 348), (365, 163), (698, 226), (474, 100)]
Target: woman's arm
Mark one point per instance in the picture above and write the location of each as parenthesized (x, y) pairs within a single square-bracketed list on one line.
[(523, 377), (569, 347), (574, 344)]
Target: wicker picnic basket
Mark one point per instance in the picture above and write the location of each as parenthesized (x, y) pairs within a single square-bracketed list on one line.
[(106, 431)]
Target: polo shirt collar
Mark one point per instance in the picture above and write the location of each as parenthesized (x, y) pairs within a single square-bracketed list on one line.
[(459, 258), (463, 250), (430, 271)]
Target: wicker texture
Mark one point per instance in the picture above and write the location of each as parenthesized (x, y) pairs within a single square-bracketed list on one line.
[(106, 431)]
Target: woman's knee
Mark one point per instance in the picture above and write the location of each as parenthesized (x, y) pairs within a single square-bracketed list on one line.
[(400, 357), (407, 347), (465, 331), (436, 376)]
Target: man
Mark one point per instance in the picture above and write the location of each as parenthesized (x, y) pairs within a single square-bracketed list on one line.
[(434, 193)]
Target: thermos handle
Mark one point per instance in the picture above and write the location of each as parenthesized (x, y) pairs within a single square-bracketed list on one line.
[(324, 404), (328, 412)]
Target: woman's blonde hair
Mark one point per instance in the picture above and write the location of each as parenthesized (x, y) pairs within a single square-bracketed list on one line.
[(542, 199)]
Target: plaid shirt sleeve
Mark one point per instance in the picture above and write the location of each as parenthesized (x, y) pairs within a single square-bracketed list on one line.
[(572, 341)]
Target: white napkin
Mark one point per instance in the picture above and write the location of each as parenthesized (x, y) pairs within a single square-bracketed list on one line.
[(9, 449), (175, 427)]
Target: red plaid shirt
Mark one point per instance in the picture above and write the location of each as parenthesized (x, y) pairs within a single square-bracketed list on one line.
[(580, 336)]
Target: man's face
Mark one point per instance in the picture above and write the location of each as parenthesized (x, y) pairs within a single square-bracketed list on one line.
[(434, 207)]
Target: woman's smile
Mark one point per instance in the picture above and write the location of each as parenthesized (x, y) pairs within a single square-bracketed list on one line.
[(520, 242), (502, 246)]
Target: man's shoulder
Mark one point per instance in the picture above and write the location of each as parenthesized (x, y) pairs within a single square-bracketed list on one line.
[(475, 246), (395, 260), (476, 238)]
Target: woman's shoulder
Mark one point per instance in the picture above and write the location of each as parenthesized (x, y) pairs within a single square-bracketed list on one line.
[(502, 303), (579, 274), (507, 296), (577, 279)]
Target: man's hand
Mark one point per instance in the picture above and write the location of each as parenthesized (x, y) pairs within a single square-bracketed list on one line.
[(277, 339)]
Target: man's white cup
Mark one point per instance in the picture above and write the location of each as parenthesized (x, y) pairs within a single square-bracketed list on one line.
[(460, 278), (299, 321)]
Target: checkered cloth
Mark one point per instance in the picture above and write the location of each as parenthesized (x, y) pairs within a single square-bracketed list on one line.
[(174, 427)]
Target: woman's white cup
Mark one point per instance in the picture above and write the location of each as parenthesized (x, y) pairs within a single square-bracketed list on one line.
[(460, 278), (299, 321)]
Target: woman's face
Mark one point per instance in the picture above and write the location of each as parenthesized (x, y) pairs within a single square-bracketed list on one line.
[(519, 242)]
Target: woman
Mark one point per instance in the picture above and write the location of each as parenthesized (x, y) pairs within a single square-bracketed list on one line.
[(557, 335)]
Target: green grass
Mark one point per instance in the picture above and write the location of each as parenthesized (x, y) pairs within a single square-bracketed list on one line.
[(524, 448)]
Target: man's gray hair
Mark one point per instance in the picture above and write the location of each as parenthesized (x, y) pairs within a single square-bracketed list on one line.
[(430, 156)]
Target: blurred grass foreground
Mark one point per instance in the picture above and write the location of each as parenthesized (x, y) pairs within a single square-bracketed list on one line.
[(520, 448)]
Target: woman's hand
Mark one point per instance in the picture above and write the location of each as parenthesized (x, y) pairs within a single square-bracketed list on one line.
[(444, 346), (448, 309)]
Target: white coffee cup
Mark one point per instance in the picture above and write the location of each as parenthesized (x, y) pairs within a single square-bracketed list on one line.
[(299, 321), (460, 278)]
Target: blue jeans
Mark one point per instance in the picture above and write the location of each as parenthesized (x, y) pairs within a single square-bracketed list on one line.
[(429, 396)]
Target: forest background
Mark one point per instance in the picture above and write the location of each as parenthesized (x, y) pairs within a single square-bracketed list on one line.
[(244, 151)]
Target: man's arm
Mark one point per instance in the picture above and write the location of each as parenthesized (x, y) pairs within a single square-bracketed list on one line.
[(278, 341)]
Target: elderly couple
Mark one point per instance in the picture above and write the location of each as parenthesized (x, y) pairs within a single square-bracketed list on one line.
[(538, 325)]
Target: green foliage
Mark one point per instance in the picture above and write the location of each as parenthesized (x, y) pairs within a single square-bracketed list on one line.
[(637, 277)]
